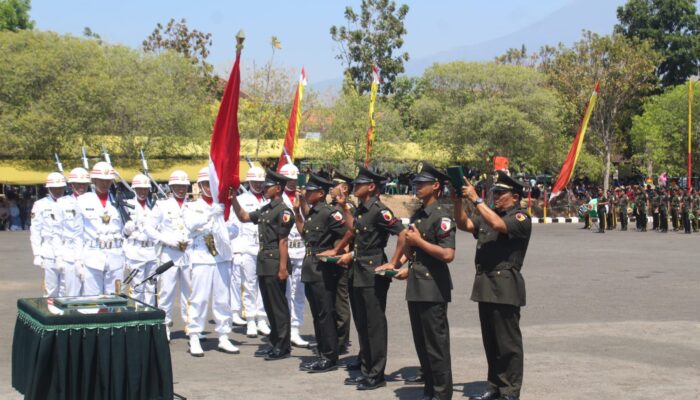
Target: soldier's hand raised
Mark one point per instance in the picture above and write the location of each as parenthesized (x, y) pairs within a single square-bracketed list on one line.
[(468, 190)]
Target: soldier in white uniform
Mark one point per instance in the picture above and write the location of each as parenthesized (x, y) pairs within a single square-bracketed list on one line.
[(102, 255), (245, 248), (167, 227), (210, 255), (297, 251), (139, 249), (45, 234), (72, 231)]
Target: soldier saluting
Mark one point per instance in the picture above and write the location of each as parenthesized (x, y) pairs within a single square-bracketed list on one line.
[(275, 221), (502, 237)]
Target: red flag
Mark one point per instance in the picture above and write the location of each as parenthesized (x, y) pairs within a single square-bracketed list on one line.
[(225, 148), (290, 139)]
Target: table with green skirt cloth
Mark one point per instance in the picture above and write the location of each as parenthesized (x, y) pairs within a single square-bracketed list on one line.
[(91, 353)]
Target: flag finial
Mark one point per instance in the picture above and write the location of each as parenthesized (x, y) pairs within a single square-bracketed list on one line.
[(240, 37)]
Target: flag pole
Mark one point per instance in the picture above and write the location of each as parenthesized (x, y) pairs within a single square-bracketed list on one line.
[(690, 133)]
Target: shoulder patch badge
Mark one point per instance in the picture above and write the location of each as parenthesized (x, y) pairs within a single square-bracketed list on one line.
[(445, 224), (337, 216), (387, 215), (286, 216), (520, 217)]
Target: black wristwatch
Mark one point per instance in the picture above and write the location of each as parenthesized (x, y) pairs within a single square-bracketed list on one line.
[(478, 201)]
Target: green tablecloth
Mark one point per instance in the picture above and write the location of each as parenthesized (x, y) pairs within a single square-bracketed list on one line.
[(94, 354)]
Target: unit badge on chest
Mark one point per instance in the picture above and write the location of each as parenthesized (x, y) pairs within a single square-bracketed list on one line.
[(105, 218)]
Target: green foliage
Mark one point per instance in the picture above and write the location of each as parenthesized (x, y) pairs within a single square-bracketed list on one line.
[(661, 132), (673, 26), (475, 111), (626, 70), (371, 38), (14, 15), (59, 92)]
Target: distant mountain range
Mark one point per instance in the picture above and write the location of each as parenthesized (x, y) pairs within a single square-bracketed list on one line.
[(561, 26)]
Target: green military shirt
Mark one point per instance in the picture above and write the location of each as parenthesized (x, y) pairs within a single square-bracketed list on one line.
[(687, 203), (663, 202), (274, 221), (429, 279), (624, 201), (373, 223), (675, 203), (641, 202), (655, 201), (323, 227), (499, 259), (696, 203)]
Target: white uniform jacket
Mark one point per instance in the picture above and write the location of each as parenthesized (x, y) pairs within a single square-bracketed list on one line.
[(295, 242), (167, 226), (201, 222), (102, 233), (45, 231), (139, 246), (246, 242), (71, 228)]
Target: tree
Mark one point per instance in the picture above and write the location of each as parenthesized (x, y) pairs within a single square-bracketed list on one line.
[(626, 70), (673, 26), (60, 92), (661, 132), (14, 15), (475, 111), (192, 44), (371, 38)]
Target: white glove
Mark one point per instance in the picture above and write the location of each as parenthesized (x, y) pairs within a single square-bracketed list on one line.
[(129, 228), (38, 261), (217, 210)]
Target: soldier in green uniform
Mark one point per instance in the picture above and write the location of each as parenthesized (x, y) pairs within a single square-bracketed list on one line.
[(623, 204), (696, 211), (601, 209), (321, 225), (641, 202), (502, 237), (274, 222), (675, 209), (340, 195), (686, 209), (654, 202), (663, 211), (370, 229), (430, 241)]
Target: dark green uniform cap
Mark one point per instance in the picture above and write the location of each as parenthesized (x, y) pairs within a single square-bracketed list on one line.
[(367, 176), (272, 178), (507, 183), (428, 173), (318, 183)]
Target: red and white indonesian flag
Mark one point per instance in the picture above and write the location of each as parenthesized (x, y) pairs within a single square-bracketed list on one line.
[(225, 150), (376, 80), (567, 170), (290, 139)]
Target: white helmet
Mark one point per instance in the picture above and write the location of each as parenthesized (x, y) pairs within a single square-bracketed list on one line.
[(290, 171), (79, 175), (141, 181), (179, 177), (102, 170), (55, 180), (255, 174), (203, 175)]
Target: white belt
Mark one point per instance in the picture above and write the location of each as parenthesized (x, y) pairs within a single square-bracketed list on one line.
[(295, 244), (141, 243), (105, 244)]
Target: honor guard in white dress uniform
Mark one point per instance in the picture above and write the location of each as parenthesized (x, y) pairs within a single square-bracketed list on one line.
[(210, 255), (245, 249), (72, 231), (102, 255), (167, 227), (297, 251), (139, 249), (45, 234)]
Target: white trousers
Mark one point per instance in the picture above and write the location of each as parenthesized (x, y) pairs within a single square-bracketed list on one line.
[(146, 292), (244, 265), (60, 279), (178, 275), (210, 281), (295, 293), (101, 281)]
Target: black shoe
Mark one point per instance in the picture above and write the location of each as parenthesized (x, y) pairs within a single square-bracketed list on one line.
[(323, 365), (354, 365), (306, 366), (509, 398), (277, 354), (414, 380), (488, 395), (371, 384), (263, 352), (355, 381)]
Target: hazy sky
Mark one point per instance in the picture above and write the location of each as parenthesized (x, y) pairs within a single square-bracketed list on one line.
[(301, 26)]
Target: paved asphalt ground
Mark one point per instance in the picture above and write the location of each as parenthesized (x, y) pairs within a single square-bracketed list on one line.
[(612, 316)]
